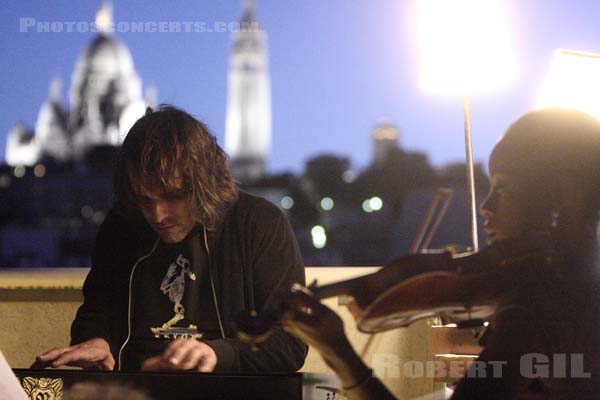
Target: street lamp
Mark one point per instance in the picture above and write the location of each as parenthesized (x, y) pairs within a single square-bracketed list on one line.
[(464, 47), (573, 81)]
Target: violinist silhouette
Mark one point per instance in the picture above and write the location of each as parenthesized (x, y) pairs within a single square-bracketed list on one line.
[(545, 180)]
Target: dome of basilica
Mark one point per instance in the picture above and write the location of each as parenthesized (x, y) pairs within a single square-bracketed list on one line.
[(105, 99), (105, 53), (103, 85)]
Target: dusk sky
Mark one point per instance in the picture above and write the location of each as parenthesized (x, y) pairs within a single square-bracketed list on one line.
[(337, 68)]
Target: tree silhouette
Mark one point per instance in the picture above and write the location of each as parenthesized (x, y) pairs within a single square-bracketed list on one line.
[(390, 180), (455, 175), (324, 174)]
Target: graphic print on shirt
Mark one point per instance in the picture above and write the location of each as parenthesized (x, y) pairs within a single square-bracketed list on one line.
[(173, 285)]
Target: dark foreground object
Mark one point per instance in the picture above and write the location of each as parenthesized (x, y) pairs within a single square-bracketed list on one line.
[(168, 385)]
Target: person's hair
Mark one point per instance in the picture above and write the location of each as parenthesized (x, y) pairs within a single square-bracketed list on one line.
[(546, 144), (166, 144)]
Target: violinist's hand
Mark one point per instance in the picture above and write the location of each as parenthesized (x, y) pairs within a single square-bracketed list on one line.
[(321, 328), (315, 324), (91, 354), (183, 355)]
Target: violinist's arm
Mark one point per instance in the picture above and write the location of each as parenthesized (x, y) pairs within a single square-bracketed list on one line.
[(321, 328), (498, 376)]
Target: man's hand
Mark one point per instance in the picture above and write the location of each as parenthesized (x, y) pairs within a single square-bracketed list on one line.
[(92, 354), (181, 355)]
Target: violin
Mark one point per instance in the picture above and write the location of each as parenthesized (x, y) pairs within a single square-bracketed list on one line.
[(464, 286), (467, 290)]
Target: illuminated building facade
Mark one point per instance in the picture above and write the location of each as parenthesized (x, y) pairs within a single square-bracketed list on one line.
[(248, 123), (105, 100)]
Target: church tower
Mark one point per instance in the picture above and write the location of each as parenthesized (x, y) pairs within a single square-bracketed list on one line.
[(385, 140), (248, 123)]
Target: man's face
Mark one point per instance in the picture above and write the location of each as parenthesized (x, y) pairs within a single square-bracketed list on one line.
[(170, 215), (513, 207)]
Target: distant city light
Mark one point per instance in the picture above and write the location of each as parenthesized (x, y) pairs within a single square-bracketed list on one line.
[(376, 203), (573, 81), (87, 212), (373, 204), (98, 217), (287, 202), (4, 181), (366, 205), (39, 171), (349, 176), (464, 45), (19, 171), (327, 203), (317, 230), (319, 238)]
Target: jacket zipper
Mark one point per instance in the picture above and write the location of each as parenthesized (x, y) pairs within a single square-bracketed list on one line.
[(129, 301), (212, 284)]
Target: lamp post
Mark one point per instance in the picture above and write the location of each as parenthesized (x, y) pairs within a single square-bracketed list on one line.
[(464, 47)]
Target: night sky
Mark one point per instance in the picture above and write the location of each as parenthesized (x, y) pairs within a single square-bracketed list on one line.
[(337, 68)]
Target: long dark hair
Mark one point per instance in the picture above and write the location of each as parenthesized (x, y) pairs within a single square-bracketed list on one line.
[(166, 143)]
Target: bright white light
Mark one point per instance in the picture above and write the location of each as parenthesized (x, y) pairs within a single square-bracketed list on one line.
[(366, 205), (317, 230), (287, 202), (319, 238), (326, 203), (444, 326), (376, 203), (19, 171), (464, 45), (104, 17), (573, 81)]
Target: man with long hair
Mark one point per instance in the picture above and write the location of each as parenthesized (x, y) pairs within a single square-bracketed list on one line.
[(179, 255)]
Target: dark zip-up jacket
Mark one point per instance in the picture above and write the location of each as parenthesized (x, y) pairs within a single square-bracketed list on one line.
[(252, 254)]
